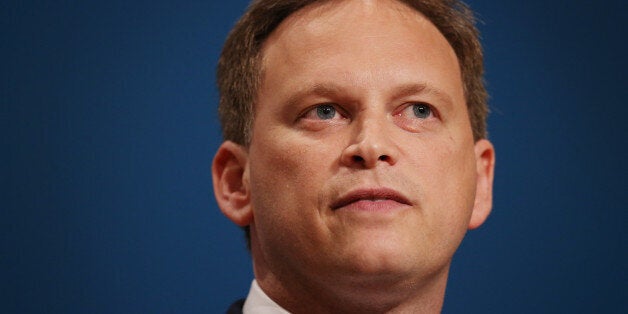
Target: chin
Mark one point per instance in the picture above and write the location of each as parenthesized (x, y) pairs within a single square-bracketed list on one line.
[(379, 258), (380, 277)]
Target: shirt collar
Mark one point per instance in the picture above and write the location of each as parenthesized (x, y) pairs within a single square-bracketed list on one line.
[(257, 302)]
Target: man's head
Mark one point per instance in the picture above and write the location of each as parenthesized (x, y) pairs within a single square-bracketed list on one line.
[(363, 166)]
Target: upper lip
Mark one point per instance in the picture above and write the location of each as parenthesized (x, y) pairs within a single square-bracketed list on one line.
[(369, 194)]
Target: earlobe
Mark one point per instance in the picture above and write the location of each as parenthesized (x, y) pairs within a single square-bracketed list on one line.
[(231, 183), (485, 167)]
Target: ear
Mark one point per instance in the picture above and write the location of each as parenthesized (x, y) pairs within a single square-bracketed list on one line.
[(231, 183), (485, 167)]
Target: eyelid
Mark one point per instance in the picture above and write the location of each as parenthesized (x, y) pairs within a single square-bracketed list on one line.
[(408, 105), (339, 110)]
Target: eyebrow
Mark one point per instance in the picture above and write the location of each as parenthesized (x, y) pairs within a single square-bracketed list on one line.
[(332, 90), (411, 89), (319, 89)]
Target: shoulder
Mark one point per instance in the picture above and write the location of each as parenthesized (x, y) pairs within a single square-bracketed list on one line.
[(236, 307)]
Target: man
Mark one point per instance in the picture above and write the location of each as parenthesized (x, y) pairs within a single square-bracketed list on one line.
[(355, 154)]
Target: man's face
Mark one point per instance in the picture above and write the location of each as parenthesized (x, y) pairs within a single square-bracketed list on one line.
[(362, 159)]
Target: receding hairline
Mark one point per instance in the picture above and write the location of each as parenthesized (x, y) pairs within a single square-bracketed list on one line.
[(324, 6)]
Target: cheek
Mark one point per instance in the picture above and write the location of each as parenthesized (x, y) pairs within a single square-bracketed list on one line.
[(278, 165), (286, 177), (449, 181)]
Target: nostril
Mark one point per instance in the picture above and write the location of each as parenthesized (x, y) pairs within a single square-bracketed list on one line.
[(358, 159), (384, 158)]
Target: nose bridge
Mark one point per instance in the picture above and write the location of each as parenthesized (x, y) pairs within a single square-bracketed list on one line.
[(371, 130), (371, 141)]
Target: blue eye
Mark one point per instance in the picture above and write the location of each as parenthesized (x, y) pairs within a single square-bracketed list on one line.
[(326, 112), (422, 111)]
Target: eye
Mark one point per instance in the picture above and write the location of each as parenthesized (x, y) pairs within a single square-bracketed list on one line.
[(416, 117), (323, 112), (421, 110)]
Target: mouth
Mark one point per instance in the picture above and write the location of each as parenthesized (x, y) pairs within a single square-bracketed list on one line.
[(375, 197)]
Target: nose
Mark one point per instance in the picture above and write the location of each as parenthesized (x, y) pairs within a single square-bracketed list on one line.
[(371, 145)]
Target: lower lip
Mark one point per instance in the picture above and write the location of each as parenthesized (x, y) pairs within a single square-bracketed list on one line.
[(374, 206)]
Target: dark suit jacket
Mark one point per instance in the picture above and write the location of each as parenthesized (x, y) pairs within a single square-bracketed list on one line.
[(236, 307)]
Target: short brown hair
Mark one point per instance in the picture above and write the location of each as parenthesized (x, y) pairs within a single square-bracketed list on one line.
[(240, 70)]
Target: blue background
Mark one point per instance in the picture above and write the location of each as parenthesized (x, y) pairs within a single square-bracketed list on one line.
[(108, 117)]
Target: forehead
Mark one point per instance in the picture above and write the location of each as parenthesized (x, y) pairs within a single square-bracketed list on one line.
[(322, 22), (358, 41)]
